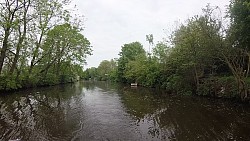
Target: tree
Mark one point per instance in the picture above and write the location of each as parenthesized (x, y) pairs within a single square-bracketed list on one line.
[(236, 51), (240, 24), (40, 40), (49, 14), (90, 74), (135, 69), (104, 69), (64, 43), (196, 46), (21, 34), (8, 19), (128, 53), (143, 70), (161, 51)]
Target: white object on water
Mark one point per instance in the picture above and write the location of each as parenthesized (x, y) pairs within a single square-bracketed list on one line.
[(133, 84)]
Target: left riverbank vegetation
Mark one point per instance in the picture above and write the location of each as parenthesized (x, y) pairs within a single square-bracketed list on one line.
[(41, 43), (203, 56)]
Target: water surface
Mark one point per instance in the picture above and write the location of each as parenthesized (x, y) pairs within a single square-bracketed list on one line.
[(108, 112)]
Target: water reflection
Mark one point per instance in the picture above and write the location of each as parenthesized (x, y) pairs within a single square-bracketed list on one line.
[(168, 117), (104, 111), (38, 115)]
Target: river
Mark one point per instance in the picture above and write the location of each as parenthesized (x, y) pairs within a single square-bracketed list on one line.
[(110, 112)]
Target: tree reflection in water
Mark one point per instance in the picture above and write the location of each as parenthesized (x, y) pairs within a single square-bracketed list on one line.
[(169, 117), (38, 115), (104, 111)]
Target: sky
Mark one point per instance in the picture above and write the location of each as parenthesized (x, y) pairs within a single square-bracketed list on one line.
[(109, 24)]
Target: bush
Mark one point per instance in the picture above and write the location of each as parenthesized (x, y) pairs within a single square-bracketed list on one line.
[(65, 78), (50, 79), (177, 84), (8, 83), (229, 85), (218, 87)]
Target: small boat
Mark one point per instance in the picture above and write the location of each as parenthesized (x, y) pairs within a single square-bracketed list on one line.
[(133, 84)]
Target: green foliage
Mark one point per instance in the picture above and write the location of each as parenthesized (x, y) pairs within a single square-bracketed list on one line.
[(42, 44), (8, 83), (131, 51), (144, 71), (106, 70), (195, 52), (236, 51), (195, 61), (240, 23), (200, 53), (161, 52), (224, 86), (128, 53), (90, 74), (50, 79), (230, 86), (176, 84)]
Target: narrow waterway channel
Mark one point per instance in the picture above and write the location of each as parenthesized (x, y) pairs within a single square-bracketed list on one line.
[(108, 112)]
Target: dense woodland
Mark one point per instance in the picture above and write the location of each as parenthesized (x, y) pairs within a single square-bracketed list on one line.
[(41, 43), (203, 56)]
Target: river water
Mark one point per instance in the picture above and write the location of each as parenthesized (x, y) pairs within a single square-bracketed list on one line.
[(107, 112)]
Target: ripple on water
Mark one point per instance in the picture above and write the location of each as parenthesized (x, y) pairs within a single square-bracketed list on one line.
[(101, 111)]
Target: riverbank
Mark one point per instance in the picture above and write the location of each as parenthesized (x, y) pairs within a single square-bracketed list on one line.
[(216, 87), (8, 84), (219, 87), (213, 87)]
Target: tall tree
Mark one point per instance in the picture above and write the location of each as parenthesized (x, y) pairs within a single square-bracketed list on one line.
[(106, 68), (236, 52), (64, 43), (197, 44), (8, 20), (161, 51), (22, 31), (49, 14), (39, 38), (129, 52)]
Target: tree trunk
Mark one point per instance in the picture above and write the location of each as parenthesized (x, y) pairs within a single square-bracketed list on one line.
[(243, 91), (58, 67), (7, 30), (196, 79), (36, 53), (13, 66), (21, 38), (4, 49)]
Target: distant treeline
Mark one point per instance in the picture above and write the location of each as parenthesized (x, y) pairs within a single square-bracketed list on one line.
[(41, 44), (202, 56)]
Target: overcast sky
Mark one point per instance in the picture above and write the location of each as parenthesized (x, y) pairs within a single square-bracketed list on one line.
[(111, 23)]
